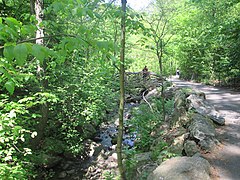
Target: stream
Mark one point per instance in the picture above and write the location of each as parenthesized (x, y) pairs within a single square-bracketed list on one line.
[(101, 158), (108, 133)]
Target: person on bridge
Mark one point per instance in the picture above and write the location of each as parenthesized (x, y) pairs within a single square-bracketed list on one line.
[(178, 72), (145, 72)]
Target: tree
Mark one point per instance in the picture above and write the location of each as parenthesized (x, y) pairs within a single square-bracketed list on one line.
[(121, 105), (204, 31), (78, 74), (41, 71), (159, 31)]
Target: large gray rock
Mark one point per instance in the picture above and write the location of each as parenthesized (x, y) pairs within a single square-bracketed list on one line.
[(180, 109), (177, 145), (153, 93), (180, 102), (203, 107), (170, 92), (202, 129), (47, 160), (182, 168), (191, 148), (142, 158), (88, 130), (144, 170)]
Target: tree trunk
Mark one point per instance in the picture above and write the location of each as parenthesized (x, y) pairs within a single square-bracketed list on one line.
[(41, 74), (39, 18), (32, 6), (121, 105), (159, 56)]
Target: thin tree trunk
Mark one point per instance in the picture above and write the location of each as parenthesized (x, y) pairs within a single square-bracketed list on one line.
[(159, 55), (32, 6), (41, 74), (39, 18), (121, 105)]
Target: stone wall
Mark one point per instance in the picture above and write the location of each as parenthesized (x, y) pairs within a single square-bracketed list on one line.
[(190, 132)]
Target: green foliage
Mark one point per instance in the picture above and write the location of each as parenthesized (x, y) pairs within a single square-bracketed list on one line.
[(20, 51), (78, 73), (158, 150), (10, 86), (77, 65), (84, 91), (131, 162), (13, 137), (205, 31), (145, 121), (108, 175)]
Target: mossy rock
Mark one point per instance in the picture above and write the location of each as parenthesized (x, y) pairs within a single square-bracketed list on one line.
[(46, 160)]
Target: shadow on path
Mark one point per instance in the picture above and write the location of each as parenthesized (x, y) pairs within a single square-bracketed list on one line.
[(225, 159)]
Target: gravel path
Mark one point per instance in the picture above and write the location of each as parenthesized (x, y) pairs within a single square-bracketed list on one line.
[(226, 159)]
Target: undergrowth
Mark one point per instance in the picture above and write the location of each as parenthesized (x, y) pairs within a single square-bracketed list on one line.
[(144, 123)]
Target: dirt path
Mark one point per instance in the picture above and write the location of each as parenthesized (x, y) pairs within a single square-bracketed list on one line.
[(226, 159)]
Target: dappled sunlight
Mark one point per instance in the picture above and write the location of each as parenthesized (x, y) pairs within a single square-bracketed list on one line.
[(226, 164), (225, 159)]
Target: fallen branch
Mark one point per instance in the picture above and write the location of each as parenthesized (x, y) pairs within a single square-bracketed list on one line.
[(144, 98)]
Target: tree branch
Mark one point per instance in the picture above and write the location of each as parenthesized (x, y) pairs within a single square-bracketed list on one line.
[(144, 98), (50, 36)]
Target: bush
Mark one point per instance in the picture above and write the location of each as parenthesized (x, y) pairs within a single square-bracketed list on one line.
[(14, 150), (144, 121)]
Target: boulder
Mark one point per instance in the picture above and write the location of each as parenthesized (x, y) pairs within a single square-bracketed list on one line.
[(198, 102), (143, 158), (180, 109), (62, 175), (144, 170), (95, 149), (208, 144), (182, 168), (47, 160), (88, 130), (191, 148), (153, 93), (177, 145), (170, 92), (180, 102), (202, 129)]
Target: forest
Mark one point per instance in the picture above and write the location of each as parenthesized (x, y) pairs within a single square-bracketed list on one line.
[(62, 66)]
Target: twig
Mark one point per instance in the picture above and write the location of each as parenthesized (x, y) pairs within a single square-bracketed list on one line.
[(18, 149), (147, 101)]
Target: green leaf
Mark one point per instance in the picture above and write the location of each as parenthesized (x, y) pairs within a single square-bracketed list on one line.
[(3, 36), (20, 53), (71, 44), (10, 86), (39, 52), (16, 130), (8, 52), (90, 13), (57, 6), (28, 29), (12, 22), (0, 20), (97, 15), (79, 11)]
